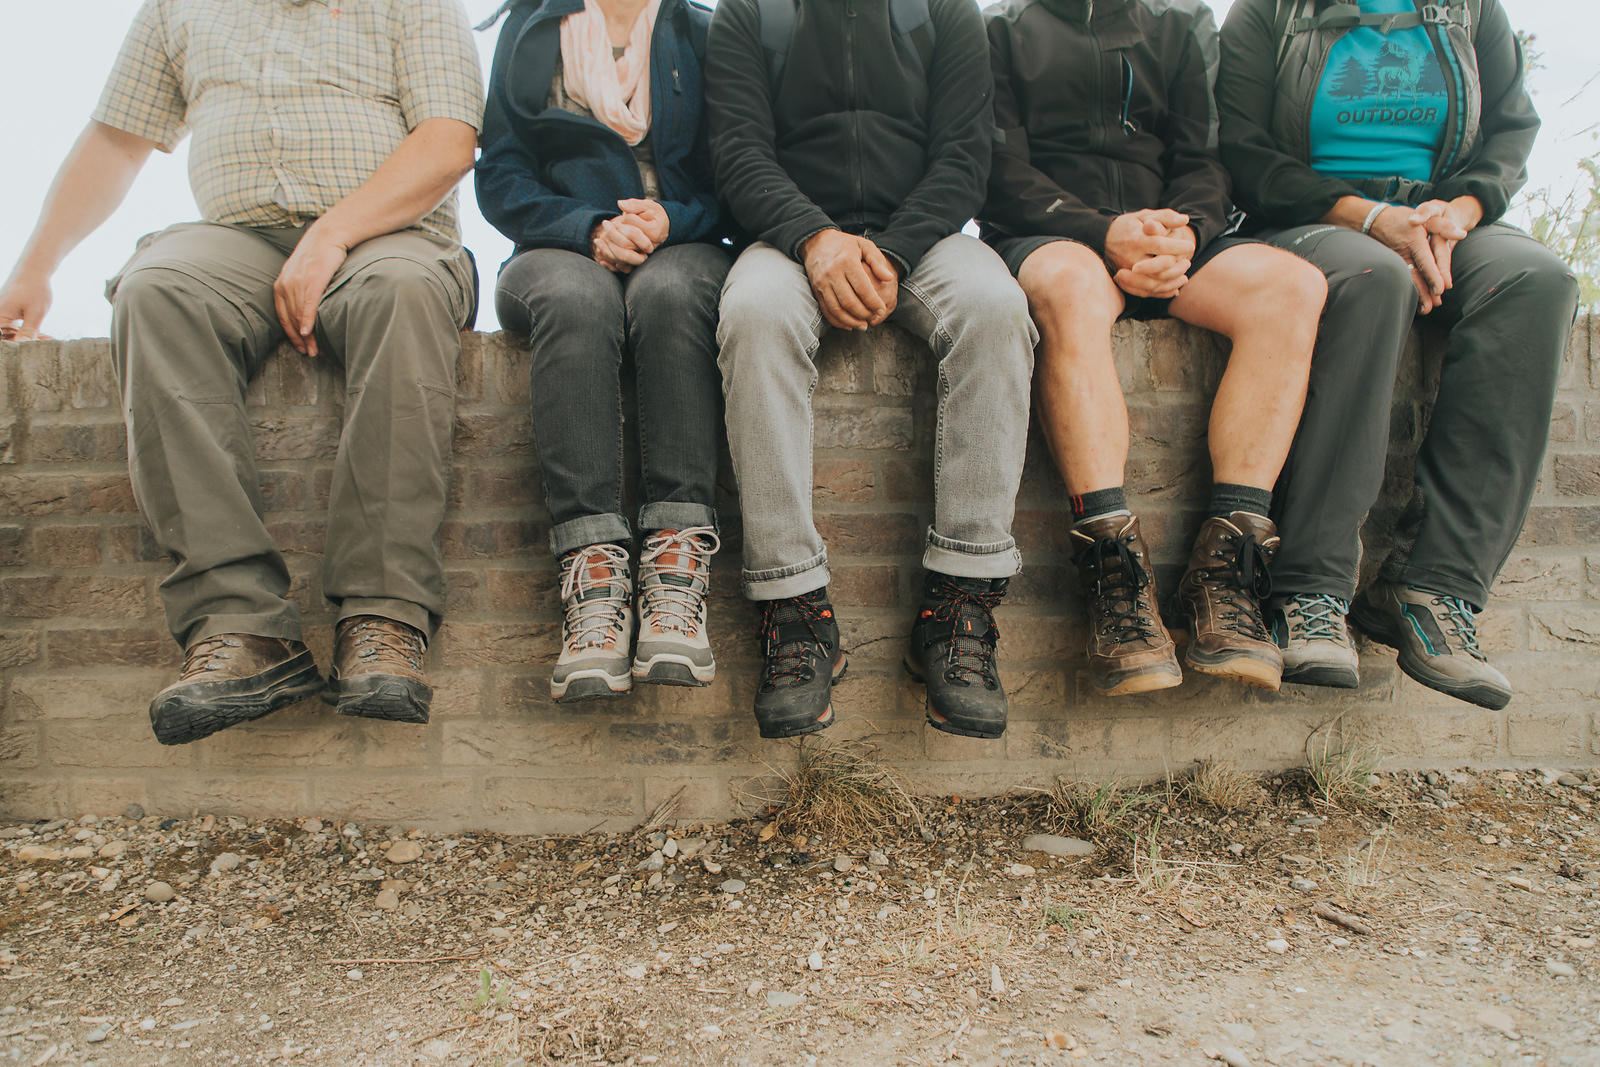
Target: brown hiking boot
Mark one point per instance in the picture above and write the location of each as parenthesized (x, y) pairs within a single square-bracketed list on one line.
[(228, 679), (1129, 649), (1220, 597), (377, 670)]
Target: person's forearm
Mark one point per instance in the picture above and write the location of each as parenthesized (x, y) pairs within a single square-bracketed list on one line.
[(1350, 212), (416, 177), (92, 182)]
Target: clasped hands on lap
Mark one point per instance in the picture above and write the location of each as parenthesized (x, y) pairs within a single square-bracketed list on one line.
[(1149, 252), (624, 242), (1424, 236)]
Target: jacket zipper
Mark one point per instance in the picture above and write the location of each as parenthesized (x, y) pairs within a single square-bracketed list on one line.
[(855, 112)]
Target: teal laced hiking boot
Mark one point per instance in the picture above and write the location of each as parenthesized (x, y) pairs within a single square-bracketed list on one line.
[(1310, 630), (1437, 638)]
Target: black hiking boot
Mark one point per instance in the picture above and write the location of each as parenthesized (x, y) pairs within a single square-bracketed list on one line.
[(800, 640), (230, 679), (952, 652)]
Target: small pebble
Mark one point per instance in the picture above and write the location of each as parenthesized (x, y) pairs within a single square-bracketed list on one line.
[(732, 886), (1560, 970), (1278, 945), (814, 961), (158, 892)]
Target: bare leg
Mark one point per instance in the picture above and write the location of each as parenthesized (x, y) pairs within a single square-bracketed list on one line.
[(1267, 302), (1079, 395)]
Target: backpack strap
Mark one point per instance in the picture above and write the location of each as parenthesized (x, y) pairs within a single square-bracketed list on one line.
[(1344, 16)]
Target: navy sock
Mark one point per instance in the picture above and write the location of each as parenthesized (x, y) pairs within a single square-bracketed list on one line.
[(1100, 502), (1228, 497)]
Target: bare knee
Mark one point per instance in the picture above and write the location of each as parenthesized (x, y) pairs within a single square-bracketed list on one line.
[(1067, 282)]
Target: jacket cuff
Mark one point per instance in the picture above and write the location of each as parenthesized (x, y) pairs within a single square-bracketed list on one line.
[(905, 253), (791, 235)]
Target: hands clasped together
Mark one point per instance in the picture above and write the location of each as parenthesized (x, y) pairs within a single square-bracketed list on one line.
[(622, 243), (854, 282), (1149, 252), (1425, 237)]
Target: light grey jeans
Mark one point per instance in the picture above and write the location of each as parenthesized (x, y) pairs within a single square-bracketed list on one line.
[(964, 303)]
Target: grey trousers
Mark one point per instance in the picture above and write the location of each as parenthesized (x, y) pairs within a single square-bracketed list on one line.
[(1508, 317), (192, 321), (964, 303)]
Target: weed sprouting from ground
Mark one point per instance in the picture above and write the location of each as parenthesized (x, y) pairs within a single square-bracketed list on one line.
[(1339, 776), (1088, 810), (841, 793), (1221, 786)]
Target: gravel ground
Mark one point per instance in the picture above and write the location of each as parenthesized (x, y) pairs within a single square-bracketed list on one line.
[(1448, 919)]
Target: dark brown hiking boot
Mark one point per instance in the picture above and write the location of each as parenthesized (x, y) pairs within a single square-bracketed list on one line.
[(1220, 597), (1129, 648), (228, 679), (377, 670)]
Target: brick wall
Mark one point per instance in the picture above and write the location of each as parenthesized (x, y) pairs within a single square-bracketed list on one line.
[(83, 645)]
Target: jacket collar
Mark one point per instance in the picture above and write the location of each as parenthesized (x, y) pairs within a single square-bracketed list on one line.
[(1081, 11)]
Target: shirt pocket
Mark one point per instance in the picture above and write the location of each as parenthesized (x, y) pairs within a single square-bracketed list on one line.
[(351, 49)]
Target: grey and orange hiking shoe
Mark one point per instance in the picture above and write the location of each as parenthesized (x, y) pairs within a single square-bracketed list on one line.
[(803, 659), (1437, 638), (1129, 648), (952, 652), (1220, 598), (378, 671), (674, 578), (596, 625), (1309, 629), (228, 679)]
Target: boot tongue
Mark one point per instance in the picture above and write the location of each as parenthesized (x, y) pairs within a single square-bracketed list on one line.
[(602, 581)]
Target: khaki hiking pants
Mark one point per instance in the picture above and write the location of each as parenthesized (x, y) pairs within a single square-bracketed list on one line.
[(192, 322)]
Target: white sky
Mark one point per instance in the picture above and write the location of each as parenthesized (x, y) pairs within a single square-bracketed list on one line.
[(57, 55)]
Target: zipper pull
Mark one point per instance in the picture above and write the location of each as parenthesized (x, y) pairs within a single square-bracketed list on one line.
[(677, 83)]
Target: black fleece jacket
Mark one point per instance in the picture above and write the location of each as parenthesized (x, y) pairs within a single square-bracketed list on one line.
[(859, 134), (1104, 107)]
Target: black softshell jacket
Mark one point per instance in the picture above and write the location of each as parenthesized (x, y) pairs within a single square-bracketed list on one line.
[(1104, 107), (860, 133)]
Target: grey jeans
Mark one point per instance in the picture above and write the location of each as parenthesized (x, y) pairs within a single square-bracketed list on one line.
[(1508, 314), (964, 303), (192, 321)]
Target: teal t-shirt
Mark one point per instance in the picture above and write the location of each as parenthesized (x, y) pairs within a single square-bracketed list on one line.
[(1380, 108)]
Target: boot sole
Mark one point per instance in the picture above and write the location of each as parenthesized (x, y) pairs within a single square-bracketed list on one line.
[(590, 685), (1166, 676), (939, 722), (386, 697), (1376, 625), (178, 719), (668, 669), (1251, 672), (777, 729), (1330, 677)]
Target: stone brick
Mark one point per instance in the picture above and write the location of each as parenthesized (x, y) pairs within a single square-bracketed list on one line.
[(77, 442), (307, 537), (264, 797), (11, 435), (87, 373), (286, 437), (1578, 475), (524, 591), (408, 799), (854, 427), (99, 596), (300, 380), (108, 795), (13, 540), (491, 539), (847, 369), (18, 648), (1574, 630), (113, 647), (469, 369), (692, 799), (897, 366), (41, 385), (677, 742), (65, 494), (1561, 526), (1537, 578), (873, 587), (470, 644), (65, 546), (907, 481), (19, 748), (1541, 733), (844, 481), (479, 435), (132, 543), (864, 534), (106, 744), (588, 796), (1563, 424), (514, 486), (25, 800), (313, 737), (495, 743)]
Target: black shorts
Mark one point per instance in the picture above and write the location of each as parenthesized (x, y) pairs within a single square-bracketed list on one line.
[(1015, 250)]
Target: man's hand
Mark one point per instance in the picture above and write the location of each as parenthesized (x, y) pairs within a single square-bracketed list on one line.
[(849, 277), (1149, 252), (23, 303), (650, 217), (1157, 277), (301, 284)]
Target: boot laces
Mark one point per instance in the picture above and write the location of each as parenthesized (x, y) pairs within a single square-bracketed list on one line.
[(595, 607), (1118, 580), (1242, 584), (383, 639), (966, 619), (791, 659), (1318, 616), (672, 593), (208, 655), (1463, 624)]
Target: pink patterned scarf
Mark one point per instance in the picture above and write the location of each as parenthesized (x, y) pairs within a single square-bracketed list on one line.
[(617, 91)]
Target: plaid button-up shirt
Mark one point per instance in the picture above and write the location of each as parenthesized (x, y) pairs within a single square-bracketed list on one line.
[(293, 103)]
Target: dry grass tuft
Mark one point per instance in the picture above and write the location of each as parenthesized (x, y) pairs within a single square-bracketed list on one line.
[(841, 793), (1222, 786), (1338, 776), (1088, 810)]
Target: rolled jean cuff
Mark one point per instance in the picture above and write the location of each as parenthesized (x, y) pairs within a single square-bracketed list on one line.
[(676, 515), (415, 616), (278, 625), (588, 530), (779, 582), (1441, 584), (963, 559)]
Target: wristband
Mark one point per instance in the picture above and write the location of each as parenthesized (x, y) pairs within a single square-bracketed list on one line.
[(1372, 216)]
